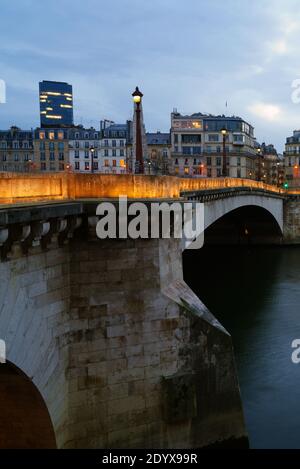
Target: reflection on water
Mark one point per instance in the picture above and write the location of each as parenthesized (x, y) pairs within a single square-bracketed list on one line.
[(255, 293)]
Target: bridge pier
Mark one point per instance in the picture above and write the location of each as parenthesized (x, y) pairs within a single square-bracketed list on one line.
[(121, 350)]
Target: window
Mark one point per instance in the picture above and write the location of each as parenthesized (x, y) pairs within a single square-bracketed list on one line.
[(43, 166), (25, 145), (196, 150), (61, 166), (16, 145), (95, 164), (219, 172), (51, 136), (60, 135), (42, 135), (122, 163), (114, 163), (86, 135), (61, 146), (106, 143), (96, 154), (106, 162), (238, 161), (52, 156), (77, 135), (76, 144), (86, 144), (209, 172), (16, 157), (87, 165), (114, 153), (186, 170), (121, 152), (61, 156), (86, 154), (191, 138), (238, 172), (42, 156), (52, 165), (4, 157), (26, 157), (51, 146), (96, 136), (114, 143), (3, 145), (76, 154), (238, 138), (105, 152), (213, 137), (218, 161), (176, 138), (208, 161), (187, 150), (218, 149), (121, 143), (77, 166), (42, 145), (176, 161)]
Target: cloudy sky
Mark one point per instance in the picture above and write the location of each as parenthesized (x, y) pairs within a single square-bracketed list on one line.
[(193, 55)]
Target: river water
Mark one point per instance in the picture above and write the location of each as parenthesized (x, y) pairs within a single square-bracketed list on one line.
[(255, 294)]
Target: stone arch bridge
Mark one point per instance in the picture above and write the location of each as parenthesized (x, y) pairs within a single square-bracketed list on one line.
[(106, 345)]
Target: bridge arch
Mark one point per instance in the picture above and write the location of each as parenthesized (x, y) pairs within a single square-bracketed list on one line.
[(25, 422), (238, 209), (213, 210)]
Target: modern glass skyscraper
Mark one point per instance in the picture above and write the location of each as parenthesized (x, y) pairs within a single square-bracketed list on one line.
[(56, 104)]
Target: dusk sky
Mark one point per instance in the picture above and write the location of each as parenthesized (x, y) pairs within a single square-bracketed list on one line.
[(193, 55)]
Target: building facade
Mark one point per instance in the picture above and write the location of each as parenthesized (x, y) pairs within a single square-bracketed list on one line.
[(51, 150), (158, 153), (16, 150), (292, 159), (269, 165), (113, 147), (56, 104), (84, 149), (198, 142)]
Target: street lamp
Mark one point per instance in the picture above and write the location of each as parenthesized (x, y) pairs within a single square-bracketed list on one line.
[(224, 135), (92, 158), (137, 99), (259, 164)]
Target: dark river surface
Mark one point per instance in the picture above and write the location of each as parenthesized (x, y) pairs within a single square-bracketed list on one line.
[(255, 293)]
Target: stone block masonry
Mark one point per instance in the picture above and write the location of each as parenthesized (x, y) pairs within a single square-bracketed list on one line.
[(121, 350)]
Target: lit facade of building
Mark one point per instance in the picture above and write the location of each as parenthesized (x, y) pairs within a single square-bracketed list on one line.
[(158, 153), (84, 149), (16, 150), (113, 147), (269, 165), (197, 146), (51, 149), (292, 159), (56, 104)]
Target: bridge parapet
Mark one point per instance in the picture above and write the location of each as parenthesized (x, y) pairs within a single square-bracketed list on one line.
[(208, 195), (15, 188)]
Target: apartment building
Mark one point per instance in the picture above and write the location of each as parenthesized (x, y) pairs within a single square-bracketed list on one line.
[(16, 149), (199, 141)]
